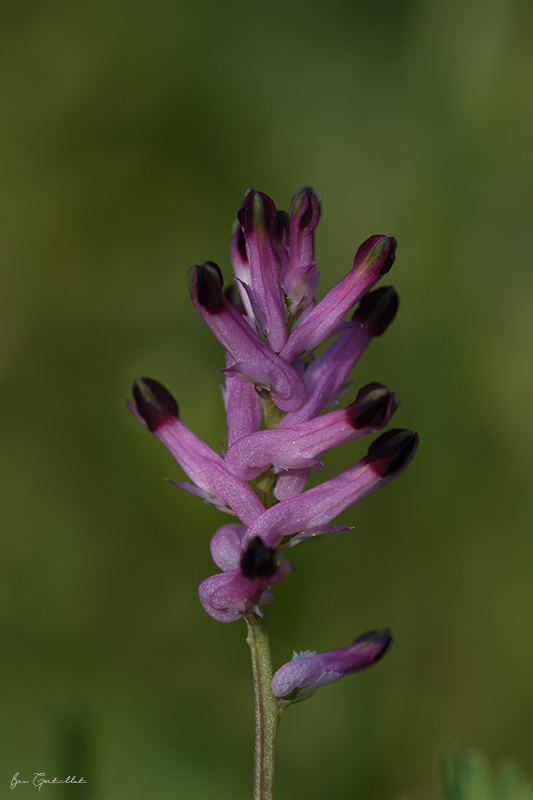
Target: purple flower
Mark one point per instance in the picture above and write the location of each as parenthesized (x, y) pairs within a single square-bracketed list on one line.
[(249, 355), (299, 274), (307, 671), (275, 390), (374, 258), (259, 217), (214, 482)]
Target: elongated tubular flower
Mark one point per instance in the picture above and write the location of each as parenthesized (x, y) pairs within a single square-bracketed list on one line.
[(157, 408), (300, 678), (250, 356), (374, 258), (299, 273), (258, 217)]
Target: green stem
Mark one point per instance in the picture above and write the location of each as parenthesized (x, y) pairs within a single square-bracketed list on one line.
[(267, 711), (267, 706)]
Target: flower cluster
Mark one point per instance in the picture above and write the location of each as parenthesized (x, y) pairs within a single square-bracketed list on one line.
[(275, 391)]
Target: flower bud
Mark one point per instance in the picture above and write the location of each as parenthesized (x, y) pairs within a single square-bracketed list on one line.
[(307, 671)]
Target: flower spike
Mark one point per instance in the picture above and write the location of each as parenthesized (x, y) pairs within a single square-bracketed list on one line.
[(275, 390)]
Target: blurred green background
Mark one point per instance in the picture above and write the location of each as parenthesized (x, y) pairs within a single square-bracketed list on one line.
[(129, 133)]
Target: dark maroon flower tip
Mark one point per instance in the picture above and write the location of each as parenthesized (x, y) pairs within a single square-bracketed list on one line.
[(390, 451), (381, 637), (209, 282), (257, 213), (378, 252), (233, 295), (305, 207), (371, 406), (258, 560), (377, 309), (154, 403)]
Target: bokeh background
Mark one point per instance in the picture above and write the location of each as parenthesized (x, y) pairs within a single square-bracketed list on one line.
[(129, 134)]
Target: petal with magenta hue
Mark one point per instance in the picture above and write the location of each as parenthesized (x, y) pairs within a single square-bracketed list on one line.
[(258, 217), (300, 278), (298, 446), (387, 458), (251, 357), (156, 406), (243, 407), (373, 259), (326, 375), (300, 678), (239, 592)]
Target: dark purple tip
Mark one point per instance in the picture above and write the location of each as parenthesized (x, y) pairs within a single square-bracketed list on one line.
[(371, 406), (233, 295), (390, 451), (381, 637), (154, 403), (258, 560), (209, 283), (257, 213), (377, 309)]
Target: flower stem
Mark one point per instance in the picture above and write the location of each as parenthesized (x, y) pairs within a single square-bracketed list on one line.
[(267, 711)]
